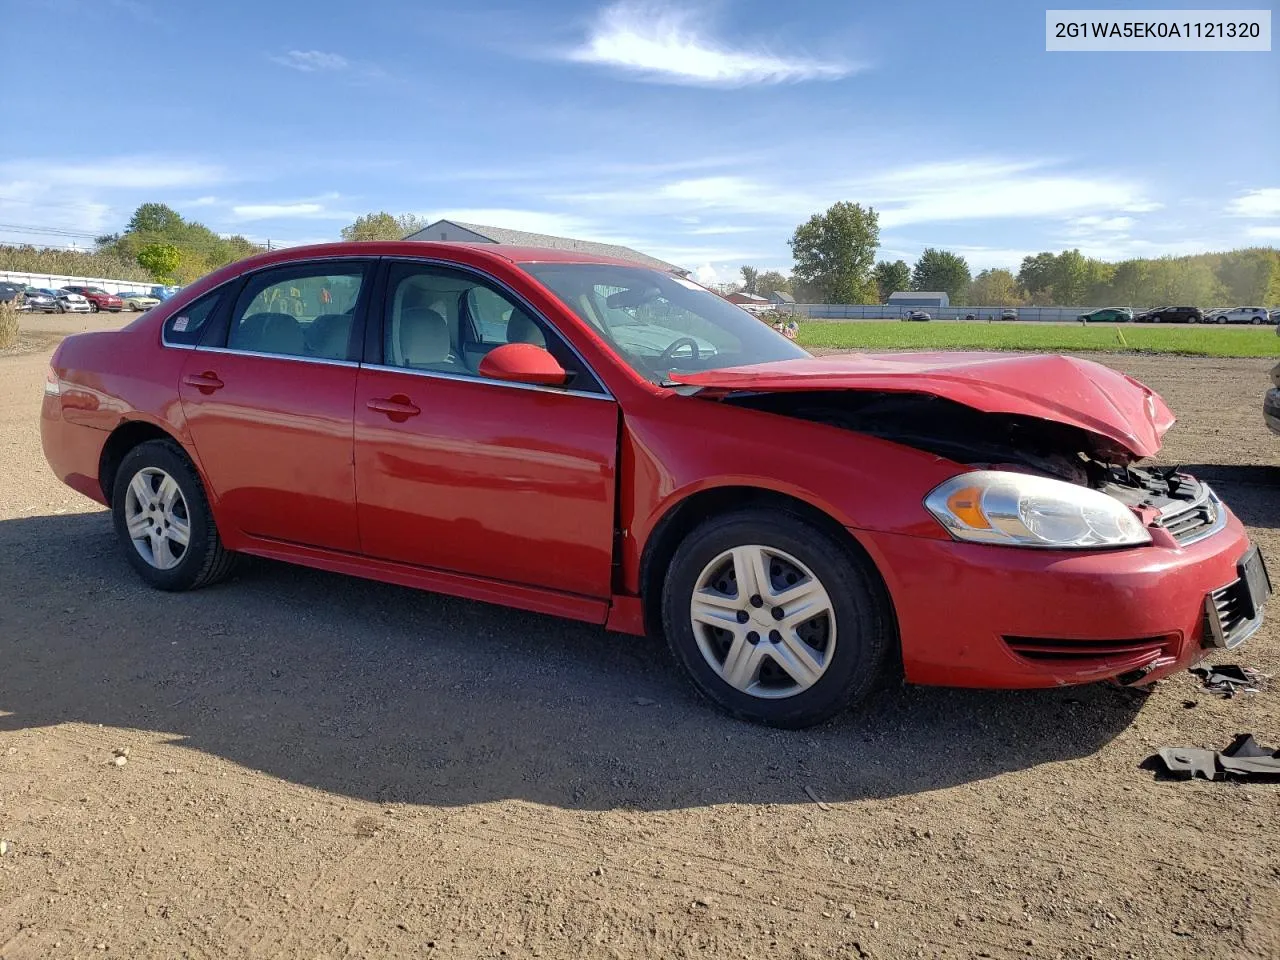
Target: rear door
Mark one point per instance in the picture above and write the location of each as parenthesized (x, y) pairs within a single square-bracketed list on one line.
[(465, 474), (268, 393)]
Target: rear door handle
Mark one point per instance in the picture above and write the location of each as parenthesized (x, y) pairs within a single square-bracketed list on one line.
[(206, 382), (399, 407)]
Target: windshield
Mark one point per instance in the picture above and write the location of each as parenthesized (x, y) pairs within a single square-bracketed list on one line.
[(658, 322)]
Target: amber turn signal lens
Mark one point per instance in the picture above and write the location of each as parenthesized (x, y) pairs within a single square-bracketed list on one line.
[(966, 505)]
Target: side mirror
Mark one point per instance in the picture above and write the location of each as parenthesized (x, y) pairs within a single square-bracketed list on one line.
[(523, 363)]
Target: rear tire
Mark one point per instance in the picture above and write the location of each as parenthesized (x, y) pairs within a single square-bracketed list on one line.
[(93, 307), (823, 665), (142, 521)]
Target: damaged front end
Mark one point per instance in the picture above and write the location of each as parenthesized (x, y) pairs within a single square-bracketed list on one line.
[(1168, 501)]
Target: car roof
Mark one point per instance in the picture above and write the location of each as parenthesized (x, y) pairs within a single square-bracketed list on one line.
[(435, 248)]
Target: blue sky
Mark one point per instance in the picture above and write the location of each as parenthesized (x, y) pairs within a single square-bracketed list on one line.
[(700, 133)]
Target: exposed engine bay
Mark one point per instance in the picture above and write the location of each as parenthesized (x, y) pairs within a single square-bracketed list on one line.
[(987, 440)]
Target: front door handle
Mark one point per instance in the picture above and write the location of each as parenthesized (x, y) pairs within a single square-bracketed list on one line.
[(398, 408), (206, 382)]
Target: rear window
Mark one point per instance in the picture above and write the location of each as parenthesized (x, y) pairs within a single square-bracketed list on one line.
[(185, 327)]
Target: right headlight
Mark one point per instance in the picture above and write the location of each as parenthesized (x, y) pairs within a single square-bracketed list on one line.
[(1021, 510)]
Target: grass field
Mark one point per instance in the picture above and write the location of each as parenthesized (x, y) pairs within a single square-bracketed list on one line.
[(1188, 340)]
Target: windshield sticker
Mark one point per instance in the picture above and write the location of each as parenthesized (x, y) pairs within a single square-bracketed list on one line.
[(180, 324)]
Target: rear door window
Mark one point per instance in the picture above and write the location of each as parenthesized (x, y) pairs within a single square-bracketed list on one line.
[(304, 311)]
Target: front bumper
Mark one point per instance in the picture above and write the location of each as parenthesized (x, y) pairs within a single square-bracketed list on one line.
[(971, 615), (1271, 410)]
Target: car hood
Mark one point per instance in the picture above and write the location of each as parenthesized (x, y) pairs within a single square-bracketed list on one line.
[(1113, 407)]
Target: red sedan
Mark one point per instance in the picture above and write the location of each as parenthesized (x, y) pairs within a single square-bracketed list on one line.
[(593, 439), (98, 298)]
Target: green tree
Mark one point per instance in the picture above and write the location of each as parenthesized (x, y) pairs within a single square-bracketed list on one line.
[(1035, 277), (941, 270), (161, 260), (155, 218), (994, 288), (750, 275), (382, 226), (771, 281), (1246, 275), (1131, 282), (1069, 278), (891, 278), (834, 252)]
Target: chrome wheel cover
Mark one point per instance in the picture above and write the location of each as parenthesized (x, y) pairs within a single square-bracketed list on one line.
[(763, 621), (157, 518)]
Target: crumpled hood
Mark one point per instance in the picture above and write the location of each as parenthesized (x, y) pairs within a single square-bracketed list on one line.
[(1080, 393)]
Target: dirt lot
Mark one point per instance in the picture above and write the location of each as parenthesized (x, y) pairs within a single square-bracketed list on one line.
[(320, 766)]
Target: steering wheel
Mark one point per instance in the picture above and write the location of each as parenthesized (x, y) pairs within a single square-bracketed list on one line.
[(668, 354)]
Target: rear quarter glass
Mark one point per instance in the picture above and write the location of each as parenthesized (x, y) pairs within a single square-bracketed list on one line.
[(185, 327)]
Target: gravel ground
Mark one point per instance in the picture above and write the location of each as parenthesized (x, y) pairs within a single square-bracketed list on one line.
[(295, 764)]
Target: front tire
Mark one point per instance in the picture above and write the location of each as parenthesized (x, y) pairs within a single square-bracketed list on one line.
[(163, 520), (775, 620), (93, 307)]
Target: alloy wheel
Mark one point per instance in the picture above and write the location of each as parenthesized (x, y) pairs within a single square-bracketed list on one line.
[(157, 518), (763, 621)]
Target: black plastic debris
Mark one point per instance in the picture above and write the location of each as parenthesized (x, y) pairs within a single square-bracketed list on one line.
[(1228, 679), (1244, 757)]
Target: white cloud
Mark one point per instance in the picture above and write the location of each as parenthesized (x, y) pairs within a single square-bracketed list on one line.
[(311, 61), (1095, 224), (986, 190), (113, 173), (720, 229), (706, 275), (310, 208), (1264, 233), (1256, 203), (667, 45)]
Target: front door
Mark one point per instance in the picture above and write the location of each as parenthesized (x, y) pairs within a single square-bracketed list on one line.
[(460, 473), (269, 404)]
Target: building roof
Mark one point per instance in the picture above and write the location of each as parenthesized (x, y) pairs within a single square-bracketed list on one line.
[(523, 238), (748, 297), (918, 295), (781, 296)]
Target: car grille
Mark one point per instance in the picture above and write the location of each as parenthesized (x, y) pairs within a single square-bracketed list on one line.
[(1087, 652), (1227, 615), (1194, 520)]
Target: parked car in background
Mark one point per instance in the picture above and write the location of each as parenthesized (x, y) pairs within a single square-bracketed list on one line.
[(801, 530), (1171, 315), (1107, 315), (163, 293), (133, 300), (14, 293), (98, 298), (917, 315), (67, 302), (1275, 318), (1008, 313), (40, 301), (1271, 400), (1254, 315)]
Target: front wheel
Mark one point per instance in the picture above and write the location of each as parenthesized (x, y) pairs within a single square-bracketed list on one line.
[(1256, 320), (163, 520), (776, 620), (93, 307)]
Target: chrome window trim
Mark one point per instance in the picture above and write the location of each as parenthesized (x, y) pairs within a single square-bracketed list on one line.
[(466, 378), (325, 361), (520, 300)]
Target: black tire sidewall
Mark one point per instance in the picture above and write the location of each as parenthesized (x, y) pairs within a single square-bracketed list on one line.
[(166, 456), (864, 624)]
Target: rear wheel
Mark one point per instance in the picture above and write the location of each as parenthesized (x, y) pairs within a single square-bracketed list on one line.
[(93, 307), (163, 520), (775, 620)]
